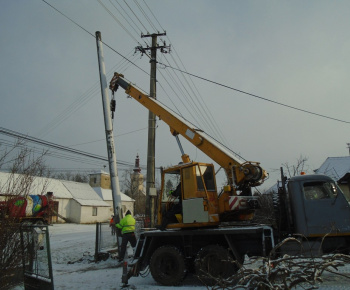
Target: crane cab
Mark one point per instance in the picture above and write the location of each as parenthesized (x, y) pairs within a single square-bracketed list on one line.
[(188, 196)]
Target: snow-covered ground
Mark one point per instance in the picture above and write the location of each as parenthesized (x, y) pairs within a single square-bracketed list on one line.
[(73, 242)]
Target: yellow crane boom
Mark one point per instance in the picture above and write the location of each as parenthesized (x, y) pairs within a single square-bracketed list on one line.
[(240, 174)]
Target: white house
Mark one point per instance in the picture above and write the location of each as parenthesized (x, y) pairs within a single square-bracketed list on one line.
[(106, 196), (101, 184)]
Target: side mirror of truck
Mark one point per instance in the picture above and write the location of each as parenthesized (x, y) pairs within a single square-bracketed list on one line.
[(335, 193)]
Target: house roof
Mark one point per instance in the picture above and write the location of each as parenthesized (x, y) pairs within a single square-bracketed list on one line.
[(106, 194), (99, 172), (335, 167), (39, 185), (84, 194)]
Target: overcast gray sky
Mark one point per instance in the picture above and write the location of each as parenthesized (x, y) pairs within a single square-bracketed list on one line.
[(291, 52)]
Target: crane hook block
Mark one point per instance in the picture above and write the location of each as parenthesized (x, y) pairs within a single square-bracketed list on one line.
[(113, 86)]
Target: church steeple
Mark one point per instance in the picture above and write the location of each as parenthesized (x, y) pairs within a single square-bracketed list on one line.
[(137, 168)]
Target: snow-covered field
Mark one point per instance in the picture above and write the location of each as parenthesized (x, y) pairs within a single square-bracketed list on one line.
[(73, 242)]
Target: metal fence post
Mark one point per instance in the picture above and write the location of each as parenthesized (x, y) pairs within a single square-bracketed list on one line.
[(97, 241)]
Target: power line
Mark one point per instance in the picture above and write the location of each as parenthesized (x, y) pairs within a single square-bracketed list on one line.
[(79, 102), (124, 29), (202, 78), (116, 19), (88, 32), (153, 15), (49, 144), (256, 96), (136, 16), (193, 103), (99, 140), (122, 15), (54, 154), (211, 123), (60, 147), (216, 126), (145, 15)]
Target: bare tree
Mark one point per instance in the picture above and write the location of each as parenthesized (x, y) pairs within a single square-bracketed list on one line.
[(297, 168), (282, 272), (23, 166), (133, 187), (269, 200), (77, 177)]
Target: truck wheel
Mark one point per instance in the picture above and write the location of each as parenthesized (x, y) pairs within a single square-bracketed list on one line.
[(168, 266), (214, 263)]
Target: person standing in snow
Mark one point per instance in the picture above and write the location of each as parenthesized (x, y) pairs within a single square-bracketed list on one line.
[(127, 225), (112, 226)]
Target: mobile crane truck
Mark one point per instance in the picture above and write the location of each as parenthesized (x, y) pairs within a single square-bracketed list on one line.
[(202, 231)]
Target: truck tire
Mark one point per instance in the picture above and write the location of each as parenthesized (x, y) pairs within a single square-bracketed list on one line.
[(168, 266), (213, 263)]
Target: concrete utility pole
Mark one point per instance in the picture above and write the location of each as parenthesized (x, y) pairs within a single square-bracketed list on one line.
[(112, 159), (150, 183)]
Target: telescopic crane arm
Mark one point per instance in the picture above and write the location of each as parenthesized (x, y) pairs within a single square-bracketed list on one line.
[(240, 174)]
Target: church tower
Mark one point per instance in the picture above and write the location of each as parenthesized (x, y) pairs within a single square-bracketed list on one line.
[(136, 188), (100, 179), (136, 177)]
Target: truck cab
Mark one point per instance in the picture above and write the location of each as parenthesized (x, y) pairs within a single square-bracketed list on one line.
[(318, 206)]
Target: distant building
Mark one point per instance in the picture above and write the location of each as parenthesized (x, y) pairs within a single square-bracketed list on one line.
[(338, 168), (135, 201), (73, 201), (101, 184), (137, 190)]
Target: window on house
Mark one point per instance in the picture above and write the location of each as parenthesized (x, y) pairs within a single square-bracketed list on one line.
[(95, 180), (94, 211)]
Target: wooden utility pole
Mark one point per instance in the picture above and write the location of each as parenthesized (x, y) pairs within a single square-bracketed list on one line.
[(150, 183)]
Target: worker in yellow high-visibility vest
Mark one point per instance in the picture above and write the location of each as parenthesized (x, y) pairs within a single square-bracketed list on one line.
[(127, 225)]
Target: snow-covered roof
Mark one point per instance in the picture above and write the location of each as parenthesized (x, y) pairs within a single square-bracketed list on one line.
[(335, 167), (81, 192), (84, 194), (99, 172), (40, 185), (106, 194)]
